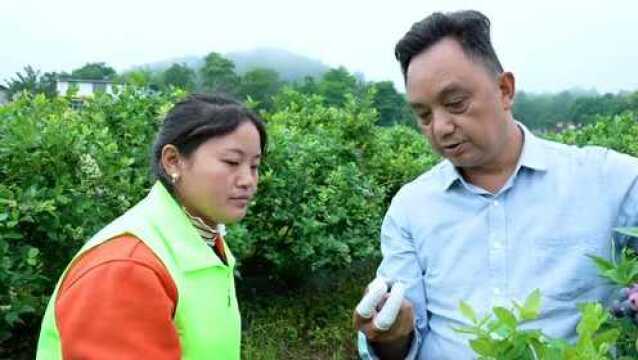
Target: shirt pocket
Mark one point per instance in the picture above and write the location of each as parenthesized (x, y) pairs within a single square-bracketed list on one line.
[(562, 269)]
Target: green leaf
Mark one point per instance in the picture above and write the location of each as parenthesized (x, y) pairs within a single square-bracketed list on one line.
[(12, 236), (593, 316), (608, 336), (501, 330), (33, 252), (472, 330), (467, 311), (633, 273), (532, 306), (12, 318), (602, 264), (629, 231), (282, 231), (624, 272), (27, 309), (483, 346), (506, 317)]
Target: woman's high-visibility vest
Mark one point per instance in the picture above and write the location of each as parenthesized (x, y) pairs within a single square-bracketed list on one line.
[(207, 317)]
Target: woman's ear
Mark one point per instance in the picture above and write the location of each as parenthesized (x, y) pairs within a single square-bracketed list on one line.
[(507, 86), (171, 161)]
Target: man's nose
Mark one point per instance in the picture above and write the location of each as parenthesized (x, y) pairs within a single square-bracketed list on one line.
[(443, 124)]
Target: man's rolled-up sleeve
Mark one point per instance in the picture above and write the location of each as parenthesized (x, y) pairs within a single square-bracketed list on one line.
[(620, 177), (366, 352), (401, 263)]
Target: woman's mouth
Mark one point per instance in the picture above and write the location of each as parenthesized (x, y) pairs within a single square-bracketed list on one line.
[(240, 201)]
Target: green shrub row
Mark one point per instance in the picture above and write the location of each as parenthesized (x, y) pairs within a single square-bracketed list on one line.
[(326, 181), (66, 172)]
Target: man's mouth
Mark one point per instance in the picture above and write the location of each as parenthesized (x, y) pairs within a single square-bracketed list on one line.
[(452, 146), (453, 149)]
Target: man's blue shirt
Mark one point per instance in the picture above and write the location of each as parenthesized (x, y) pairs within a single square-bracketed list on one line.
[(453, 241)]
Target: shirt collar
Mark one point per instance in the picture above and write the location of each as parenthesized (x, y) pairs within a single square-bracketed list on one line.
[(206, 232), (532, 157), (185, 240), (450, 174)]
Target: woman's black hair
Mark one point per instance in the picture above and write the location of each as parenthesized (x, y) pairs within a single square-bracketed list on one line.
[(196, 119)]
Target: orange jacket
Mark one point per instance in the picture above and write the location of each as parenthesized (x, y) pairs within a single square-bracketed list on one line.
[(118, 301)]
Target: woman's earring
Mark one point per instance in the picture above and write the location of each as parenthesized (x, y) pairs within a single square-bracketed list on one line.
[(174, 178)]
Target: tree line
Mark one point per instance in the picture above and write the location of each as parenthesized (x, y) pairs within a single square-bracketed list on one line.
[(258, 86), (569, 109), (544, 111)]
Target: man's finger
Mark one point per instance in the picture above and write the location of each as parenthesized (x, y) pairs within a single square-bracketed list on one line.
[(388, 314), (368, 303)]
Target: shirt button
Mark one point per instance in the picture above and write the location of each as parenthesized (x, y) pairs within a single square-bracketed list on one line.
[(495, 203)]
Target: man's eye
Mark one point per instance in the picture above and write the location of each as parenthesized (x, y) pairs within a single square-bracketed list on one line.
[(456, 105), (425, 117), (231, 162)]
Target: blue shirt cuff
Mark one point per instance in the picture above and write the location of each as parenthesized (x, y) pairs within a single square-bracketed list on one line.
[(366, 352)]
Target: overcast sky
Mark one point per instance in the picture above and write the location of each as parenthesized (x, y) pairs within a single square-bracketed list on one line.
[(549, 45)]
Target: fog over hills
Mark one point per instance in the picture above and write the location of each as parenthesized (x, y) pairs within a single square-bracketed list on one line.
[(290, 66)]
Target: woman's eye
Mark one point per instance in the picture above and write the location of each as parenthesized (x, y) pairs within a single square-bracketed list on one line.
[(231, 162)]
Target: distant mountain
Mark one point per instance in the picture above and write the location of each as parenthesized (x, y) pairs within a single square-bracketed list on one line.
[(193, 62), (290, 66), (573, 91)]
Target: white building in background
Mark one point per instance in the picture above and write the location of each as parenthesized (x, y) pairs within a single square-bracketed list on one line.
[(4, 95), (85, 87)]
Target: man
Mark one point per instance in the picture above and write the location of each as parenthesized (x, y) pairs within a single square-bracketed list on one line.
[(503, 214)]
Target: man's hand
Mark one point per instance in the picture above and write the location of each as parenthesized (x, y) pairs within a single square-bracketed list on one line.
[(391, 343)]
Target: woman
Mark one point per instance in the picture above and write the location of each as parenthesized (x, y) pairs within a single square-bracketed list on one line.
[(157, 283)]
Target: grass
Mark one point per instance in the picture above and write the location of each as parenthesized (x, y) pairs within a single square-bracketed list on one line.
[(311, 322)]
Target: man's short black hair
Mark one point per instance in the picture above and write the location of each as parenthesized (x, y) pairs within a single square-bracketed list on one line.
[(469, 27)]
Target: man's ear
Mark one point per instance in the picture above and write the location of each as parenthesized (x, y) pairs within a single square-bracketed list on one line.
[(507, 85), (171, 160)]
